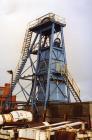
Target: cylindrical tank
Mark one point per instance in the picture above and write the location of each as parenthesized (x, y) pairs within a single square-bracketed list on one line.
[(20, 115), (15, 116)]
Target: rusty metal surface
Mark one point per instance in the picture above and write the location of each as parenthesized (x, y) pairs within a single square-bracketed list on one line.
[(57, 112), (64, 135), (58, 131)]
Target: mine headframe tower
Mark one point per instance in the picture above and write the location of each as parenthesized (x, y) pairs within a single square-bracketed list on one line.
[(44, 47)]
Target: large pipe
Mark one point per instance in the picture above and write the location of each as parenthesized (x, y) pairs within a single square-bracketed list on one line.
[(15, 116)]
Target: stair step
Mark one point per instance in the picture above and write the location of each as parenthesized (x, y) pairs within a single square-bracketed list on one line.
[(26, 45)]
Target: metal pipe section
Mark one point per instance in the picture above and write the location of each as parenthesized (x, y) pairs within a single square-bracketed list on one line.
[(52, 125), (67, 125), (15, 116)]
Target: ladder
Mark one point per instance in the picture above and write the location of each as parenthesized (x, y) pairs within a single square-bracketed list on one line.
[(71, 84), (23, 58)]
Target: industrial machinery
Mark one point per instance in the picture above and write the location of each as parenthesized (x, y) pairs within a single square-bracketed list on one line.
[(47, 85), (43, 64)]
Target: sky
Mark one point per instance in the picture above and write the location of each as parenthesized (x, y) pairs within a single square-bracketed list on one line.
[(14, 17)]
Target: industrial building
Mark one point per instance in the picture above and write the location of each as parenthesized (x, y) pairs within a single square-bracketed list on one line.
[(5, 91)]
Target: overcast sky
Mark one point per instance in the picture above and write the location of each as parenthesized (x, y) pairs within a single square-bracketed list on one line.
[(14, 17)]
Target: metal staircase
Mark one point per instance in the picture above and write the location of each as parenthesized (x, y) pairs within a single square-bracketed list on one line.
[(71, 85), (23, 58)]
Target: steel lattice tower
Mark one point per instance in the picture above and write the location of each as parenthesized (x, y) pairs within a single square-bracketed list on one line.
[(44, 48)]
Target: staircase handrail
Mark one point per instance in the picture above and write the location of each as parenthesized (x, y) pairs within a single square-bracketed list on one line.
[(72, 81)]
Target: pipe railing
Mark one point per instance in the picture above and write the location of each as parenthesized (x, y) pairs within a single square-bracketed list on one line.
[(49, 16), (71, 80)]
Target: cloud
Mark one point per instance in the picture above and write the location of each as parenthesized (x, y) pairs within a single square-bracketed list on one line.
[(7, 7)]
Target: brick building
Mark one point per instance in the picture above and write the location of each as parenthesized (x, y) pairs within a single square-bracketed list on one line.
[(4, 92)]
